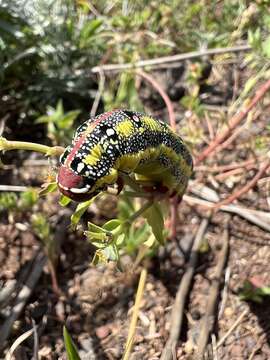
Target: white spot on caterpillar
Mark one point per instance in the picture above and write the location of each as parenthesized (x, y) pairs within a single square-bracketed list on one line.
[(63, 187), (80, 167), (80, 190), (110, 132)]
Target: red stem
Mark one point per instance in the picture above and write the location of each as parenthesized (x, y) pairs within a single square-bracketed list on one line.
[(247, 187), (233, 122), (163, 94)]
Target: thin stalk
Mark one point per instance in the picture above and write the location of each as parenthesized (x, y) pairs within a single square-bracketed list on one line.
[(135, 313), (139, 212), (6, 145), (130, 182), (134, 194)]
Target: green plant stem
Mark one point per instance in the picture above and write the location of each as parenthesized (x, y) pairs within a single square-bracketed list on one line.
[(135, 313), (139, 212), (119, 230), (130, 182), (134, 194), (6, 145)]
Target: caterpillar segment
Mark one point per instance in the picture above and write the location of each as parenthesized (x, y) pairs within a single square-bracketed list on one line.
[(123, 141)]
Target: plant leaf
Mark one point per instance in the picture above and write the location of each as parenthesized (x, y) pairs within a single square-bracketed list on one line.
[(80, 210), (72, 352), (155, 219), (64, 200), (48, 188)]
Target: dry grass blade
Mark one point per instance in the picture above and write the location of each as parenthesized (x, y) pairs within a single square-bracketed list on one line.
[(135, 314), (17, 342), (181, 295), (232, 328)]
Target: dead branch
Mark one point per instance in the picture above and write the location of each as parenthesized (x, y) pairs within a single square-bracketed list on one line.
[(22, 297), (153, 63), (234, 122), (181, 295), (253, 216), (209, 317)]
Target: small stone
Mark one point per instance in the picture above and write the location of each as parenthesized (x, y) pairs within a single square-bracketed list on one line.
[(103, 331)]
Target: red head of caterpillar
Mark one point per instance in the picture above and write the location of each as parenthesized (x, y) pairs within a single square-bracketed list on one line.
[(123, 141)]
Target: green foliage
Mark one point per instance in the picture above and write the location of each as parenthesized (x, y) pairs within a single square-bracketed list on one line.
[(48, 188), (249, 292), (80, 210), (72, 352), (8, 201), (59, 123), (47, 49), (12, 202), (154, 217), (127, 233), (43, 230)]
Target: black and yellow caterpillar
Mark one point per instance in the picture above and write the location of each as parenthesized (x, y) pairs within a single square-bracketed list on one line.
[(123, 141)]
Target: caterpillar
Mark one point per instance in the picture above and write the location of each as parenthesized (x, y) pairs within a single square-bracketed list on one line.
[(123, 141)]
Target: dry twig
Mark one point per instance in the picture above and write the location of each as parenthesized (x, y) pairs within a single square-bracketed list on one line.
[(22, 297), (208, 319), (154, 63), (98, 94), (181, 295), (232, 328), (253, 216)]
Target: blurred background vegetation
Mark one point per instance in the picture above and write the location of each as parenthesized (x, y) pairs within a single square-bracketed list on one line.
[(47, 50)]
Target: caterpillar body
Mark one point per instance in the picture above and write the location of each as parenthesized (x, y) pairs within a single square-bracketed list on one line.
[(123, 141)]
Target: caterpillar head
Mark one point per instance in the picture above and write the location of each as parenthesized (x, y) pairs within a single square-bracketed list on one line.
[(76, 187)]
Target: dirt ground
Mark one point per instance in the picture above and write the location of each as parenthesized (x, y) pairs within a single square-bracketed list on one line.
[(96, 302)]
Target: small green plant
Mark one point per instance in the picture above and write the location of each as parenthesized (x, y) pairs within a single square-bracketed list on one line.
[(12, 202), (72, 352), (250, 292), (59, 123), (43, 230)]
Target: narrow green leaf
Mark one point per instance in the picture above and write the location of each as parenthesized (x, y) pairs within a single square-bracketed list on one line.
[(112, 224), (80, 210), (64, 200), (72, 352), (48, 188), (90, 28), (155, 219), (67, 120), (266, 47), (95, 228)]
